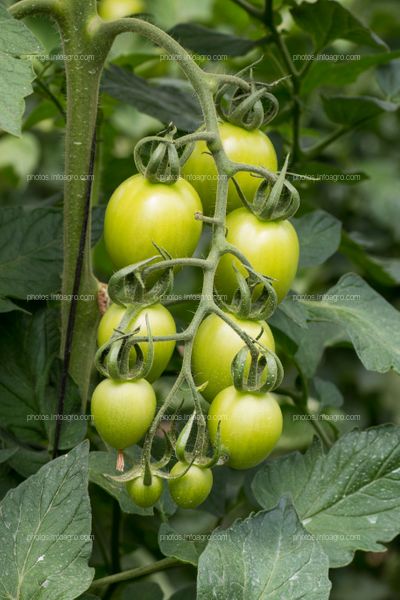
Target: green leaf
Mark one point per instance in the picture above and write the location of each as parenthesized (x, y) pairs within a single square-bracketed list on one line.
[(185, 547), (265, 557), (319, 234), (372, 324), (340, 73), (30, 252), (327, 393), (7, 305), (166, 102), (349, 498), (45, 532), (350, 111), (28, 345), (16, 74), (209, 42), (388, 77), (102, 463), (385, 271), (326, 21), (309, 342)]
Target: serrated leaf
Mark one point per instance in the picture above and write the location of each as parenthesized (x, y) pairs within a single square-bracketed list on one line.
[(350, 111), (186, 548), (319, 235), (209, 42), (265, 557), (45, 532), (327, 20), (16, 74), (340, 73), (371, 323), (167, 102), (348, 498)]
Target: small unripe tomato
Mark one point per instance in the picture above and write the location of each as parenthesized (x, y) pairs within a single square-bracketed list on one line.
[(191, 489), (161, 323), (141, 212), (251, 147), (251, 425), (145, 495), (216, 345), (116, 9), (271, 247), (123, 411)]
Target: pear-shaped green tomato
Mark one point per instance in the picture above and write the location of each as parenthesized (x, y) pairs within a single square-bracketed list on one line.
[(216, 345), (123, 411), (161, 324), (140, 213), (115, 9), (251, 147), (272, 248), (145, 495), (193, 487), (251, 425)]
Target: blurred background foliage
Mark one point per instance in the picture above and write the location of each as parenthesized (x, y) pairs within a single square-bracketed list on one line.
[(368, 209)]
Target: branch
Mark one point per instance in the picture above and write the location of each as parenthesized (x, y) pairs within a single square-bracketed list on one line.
[(161, 565)]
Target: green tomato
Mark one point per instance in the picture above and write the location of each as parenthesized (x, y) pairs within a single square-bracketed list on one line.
[(216, 345), (123, 411), (161, 323), (272, 248), (191, 489), (145, 495), (140, 213), (251, 425), (115, 9), (251, 147)]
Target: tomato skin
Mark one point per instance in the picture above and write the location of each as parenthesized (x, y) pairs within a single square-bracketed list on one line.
[(251, 425), (123, 411), (216, 345), (250, 147), (272, 248), (115, 9), (191, 489), (140, 212), (145, 495), (161, 323)]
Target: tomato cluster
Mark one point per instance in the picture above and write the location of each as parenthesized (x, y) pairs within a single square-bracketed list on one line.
[(143, 215)]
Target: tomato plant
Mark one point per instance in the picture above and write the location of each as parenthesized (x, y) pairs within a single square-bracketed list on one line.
[(193, 487), (243, 146), (145, 495), (200, 260), (123, 411), (161, 323), (141, 214), (216, 345), (250, 425), (271, 247)]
